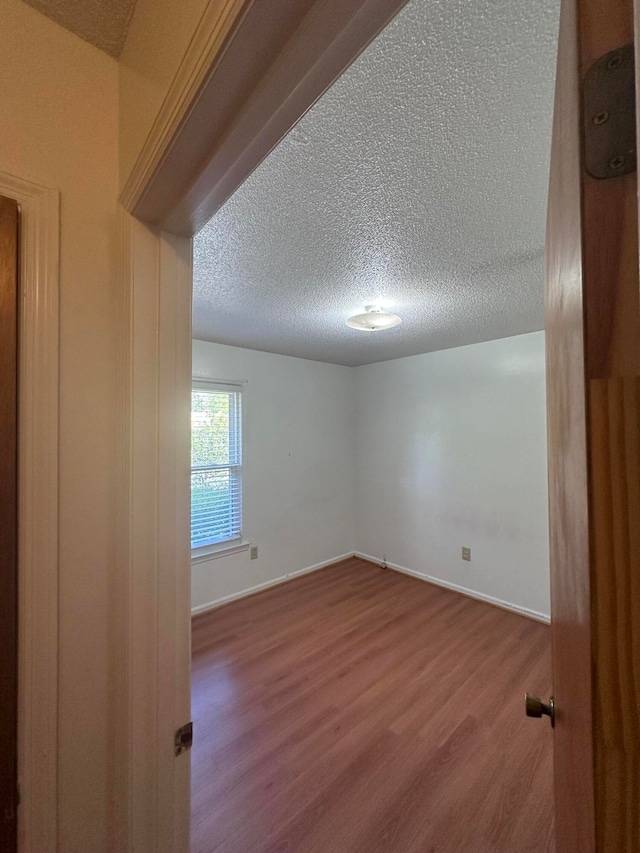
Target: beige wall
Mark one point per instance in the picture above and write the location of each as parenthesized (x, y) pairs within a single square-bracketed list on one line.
[(59, 108), (157, 41), (62, 103)]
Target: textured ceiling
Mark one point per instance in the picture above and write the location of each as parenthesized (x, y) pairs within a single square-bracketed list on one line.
[(418, 181), (104, 23)]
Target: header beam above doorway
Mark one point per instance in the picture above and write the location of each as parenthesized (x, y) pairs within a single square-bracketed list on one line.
[(251, 72)]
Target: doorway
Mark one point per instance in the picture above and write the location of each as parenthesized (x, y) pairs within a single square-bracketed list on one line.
[(439, 420), (607, 37)]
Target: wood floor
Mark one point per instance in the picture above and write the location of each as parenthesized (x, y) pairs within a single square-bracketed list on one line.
[(358, 709)]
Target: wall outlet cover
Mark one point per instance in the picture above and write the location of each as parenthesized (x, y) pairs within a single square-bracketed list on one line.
[(466, 554), (254, 552)]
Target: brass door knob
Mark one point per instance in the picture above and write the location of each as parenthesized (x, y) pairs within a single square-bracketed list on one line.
[(535, 707)]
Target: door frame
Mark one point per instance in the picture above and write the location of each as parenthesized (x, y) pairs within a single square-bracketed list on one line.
[(219, 119), (151, 615), (172, 191), (249, 75), (37, 511)]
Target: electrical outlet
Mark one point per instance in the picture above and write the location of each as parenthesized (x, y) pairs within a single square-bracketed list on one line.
[(466, 554), (254, 552)]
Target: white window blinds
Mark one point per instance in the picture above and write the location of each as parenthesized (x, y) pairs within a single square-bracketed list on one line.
[(216, 464)]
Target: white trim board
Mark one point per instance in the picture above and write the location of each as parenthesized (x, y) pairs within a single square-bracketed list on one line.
[(252, 590), (215, 126), (151, 695), (479, 596), (215, 554), (37, 513), (470, 593)]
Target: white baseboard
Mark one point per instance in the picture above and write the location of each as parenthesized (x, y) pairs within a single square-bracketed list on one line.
[(480, 596), (211, 605)]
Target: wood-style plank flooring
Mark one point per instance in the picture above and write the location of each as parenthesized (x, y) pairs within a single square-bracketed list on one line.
[(358, 709)]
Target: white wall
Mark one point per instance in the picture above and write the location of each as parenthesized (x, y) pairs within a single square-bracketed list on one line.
[(298, 474), (59, 107), (451, 452), (446, 449)]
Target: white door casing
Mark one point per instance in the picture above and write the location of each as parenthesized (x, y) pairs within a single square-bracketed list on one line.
[(152, 639), (37, 512)]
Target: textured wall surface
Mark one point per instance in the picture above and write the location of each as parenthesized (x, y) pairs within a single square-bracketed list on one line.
[(451, 451), (419, 180), (104, 23)]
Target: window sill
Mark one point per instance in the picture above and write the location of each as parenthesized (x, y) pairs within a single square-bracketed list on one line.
[(223, 549)]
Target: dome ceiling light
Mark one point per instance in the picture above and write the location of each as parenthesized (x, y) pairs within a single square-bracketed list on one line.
[(373, 320)]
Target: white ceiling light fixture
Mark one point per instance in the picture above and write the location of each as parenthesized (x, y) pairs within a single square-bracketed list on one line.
[(373, 320)]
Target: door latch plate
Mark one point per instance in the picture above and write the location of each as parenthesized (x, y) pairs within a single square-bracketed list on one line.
[(183, 738), (609, 115)]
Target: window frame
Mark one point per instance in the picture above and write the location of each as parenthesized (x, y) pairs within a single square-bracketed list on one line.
[(223, 547)]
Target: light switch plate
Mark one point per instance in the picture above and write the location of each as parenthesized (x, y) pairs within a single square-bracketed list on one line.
[(254, 552), (466, 554)]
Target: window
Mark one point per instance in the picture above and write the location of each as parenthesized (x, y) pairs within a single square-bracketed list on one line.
[(216, 464)]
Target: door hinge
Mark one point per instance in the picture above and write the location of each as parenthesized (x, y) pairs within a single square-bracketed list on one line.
[(183, 738), (609, 115)]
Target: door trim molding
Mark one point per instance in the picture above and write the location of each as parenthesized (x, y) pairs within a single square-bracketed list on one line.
[(151, 627), (37, 512), (216, 26), (251, 71)]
